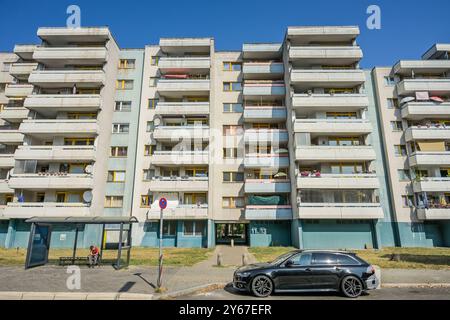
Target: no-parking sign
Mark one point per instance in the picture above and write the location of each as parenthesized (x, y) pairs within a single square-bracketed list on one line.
[(163, 203)]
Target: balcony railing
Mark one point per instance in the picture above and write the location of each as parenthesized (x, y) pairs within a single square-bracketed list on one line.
[(55, 153), (333, 125), (354, 101), (338, 181), (46, 209), (182, 108), (340, 211)]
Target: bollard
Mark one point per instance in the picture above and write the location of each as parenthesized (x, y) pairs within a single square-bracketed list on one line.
[(244, 259), (232, 243), (219, 260)]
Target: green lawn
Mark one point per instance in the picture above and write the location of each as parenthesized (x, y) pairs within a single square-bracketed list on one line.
[(139, 256), (410, 258)]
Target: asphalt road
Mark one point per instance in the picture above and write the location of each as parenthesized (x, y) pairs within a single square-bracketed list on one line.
[(383, 294)]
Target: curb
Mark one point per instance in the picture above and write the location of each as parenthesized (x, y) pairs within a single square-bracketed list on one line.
[(73, 296), (184, 292), (415, 285)]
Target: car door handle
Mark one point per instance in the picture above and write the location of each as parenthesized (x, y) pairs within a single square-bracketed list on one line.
[(308, 270), (337, 269)]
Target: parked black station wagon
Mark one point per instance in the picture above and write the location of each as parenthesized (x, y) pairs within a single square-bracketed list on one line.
[(308, 270)]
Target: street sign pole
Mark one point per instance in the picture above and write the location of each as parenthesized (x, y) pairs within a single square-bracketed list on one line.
[(161, 220)]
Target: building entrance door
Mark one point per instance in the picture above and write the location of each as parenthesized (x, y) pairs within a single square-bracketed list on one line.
[(225, 232)]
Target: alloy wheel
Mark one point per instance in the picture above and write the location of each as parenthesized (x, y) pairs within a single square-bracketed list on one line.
[(262, 286), (352, 287)]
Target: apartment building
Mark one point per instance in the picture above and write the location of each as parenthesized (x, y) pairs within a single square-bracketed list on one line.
[(413, 105), (277, 144)]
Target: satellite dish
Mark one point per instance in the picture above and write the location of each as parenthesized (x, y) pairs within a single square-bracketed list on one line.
[(87, 196), (89, 169), (157, 121)]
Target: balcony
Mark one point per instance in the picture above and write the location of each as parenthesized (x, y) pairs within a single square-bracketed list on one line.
[(187, 211), (264, 113), (22, 70), (328, 101), (56, 153), (182, 108), (180, 158), (181, 45), (334, 153), (63, 102), (18, 90), (64, 35), (262, 50), (317, 78), (256, 161), (14, 115), (340, 211), (263, 70), (46, 209), (406, 67), (431, 158), (323, 33), (70, 55), (6, 160), (264, 89), (267, 186), (44, 181), (433, 86), (25, 51), (183, 86), (68, 78), (341, 55), (60, 127), (183, 63), (11, 137), (427, 133), (344, 126), (432, 185), (184, 184), (173, 133), (268, 212), (420, 110), (434, 214), (339, 181), (267, 135), (4, 188)]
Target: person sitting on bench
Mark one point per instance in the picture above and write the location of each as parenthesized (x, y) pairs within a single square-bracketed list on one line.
[(93, 256)]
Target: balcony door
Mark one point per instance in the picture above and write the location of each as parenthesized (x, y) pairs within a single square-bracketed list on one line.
[(225, 232)]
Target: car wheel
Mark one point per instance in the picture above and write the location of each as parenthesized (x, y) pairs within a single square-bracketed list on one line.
[(262, 286), (351, 287)]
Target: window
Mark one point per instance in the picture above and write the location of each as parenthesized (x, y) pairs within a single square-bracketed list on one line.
[(344, 141), (116, 176), (196, 172), (346, 260), (403, 175), (232, 86), (233, 202), (232, 130), (341, 115), (407, 201), (233, 107), (149, 150), (400, 150), (324, 258), (146, 200), (152, 82), (81, 115), (40, 197), (113, 201), (230, 153), (392, 103), (303, 259), (148, 174), (154, 60), (124, 106), (169, 172), (121, 128), (232, 66), (169, 228), (389, 81), (346, 168), (119, 151), (127, 63), (396, 125), (152, 103), (79, 141), (193, 228), (233, 177), (124, 84), (195, 198), (150, 126)]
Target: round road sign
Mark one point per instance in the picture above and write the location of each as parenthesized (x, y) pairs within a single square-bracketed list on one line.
[(163, 203)]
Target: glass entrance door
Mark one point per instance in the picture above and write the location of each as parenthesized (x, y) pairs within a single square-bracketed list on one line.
[(225, 232), (39, 245)]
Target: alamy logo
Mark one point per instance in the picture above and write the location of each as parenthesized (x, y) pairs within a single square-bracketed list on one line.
[(74, 20), (374, 20), (73, 282)]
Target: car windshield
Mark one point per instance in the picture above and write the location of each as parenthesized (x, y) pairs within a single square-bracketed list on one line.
[(282, 258)]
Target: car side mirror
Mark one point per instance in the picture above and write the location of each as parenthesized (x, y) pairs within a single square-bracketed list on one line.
[(289, 263)]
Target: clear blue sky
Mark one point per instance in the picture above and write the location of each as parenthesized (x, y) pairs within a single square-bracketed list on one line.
[(408, 27)]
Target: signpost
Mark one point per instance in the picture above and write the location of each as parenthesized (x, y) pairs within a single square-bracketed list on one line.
[(162, 206)]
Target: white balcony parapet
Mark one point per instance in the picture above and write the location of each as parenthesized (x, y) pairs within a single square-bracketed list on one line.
[(333, 126), (434, 86), (4, 188), (25, 51), (194, 132), (433, 214), (269, 135), (421, 110), (339, 181), (14, 114), (46, 209), (429, 158), (354, 100), (265, 113), (64, 101), (175, 85), (11, 136), (262, 68), (325, 153), (60, 126), (52, 153), (51, 181), (406, 67), (262, 212), (329, 77), (94, 34), (186, 211), (6, 160), (169, 184), (255, 160), (184, 62), (68, 77), (22, 70), (351, 53), (333, 32), (73, 54), (340, 211), (182, 108), (18, 90), (264, 89), (432, 184), (427, 133), (267, 186), (180, 157)]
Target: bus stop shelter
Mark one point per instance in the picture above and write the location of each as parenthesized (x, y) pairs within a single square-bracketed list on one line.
[(41, 232)]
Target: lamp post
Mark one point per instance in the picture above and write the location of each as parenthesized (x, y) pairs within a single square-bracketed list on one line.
[(162, 206)]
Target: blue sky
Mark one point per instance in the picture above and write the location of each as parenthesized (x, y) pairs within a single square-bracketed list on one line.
[(408, 27)]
